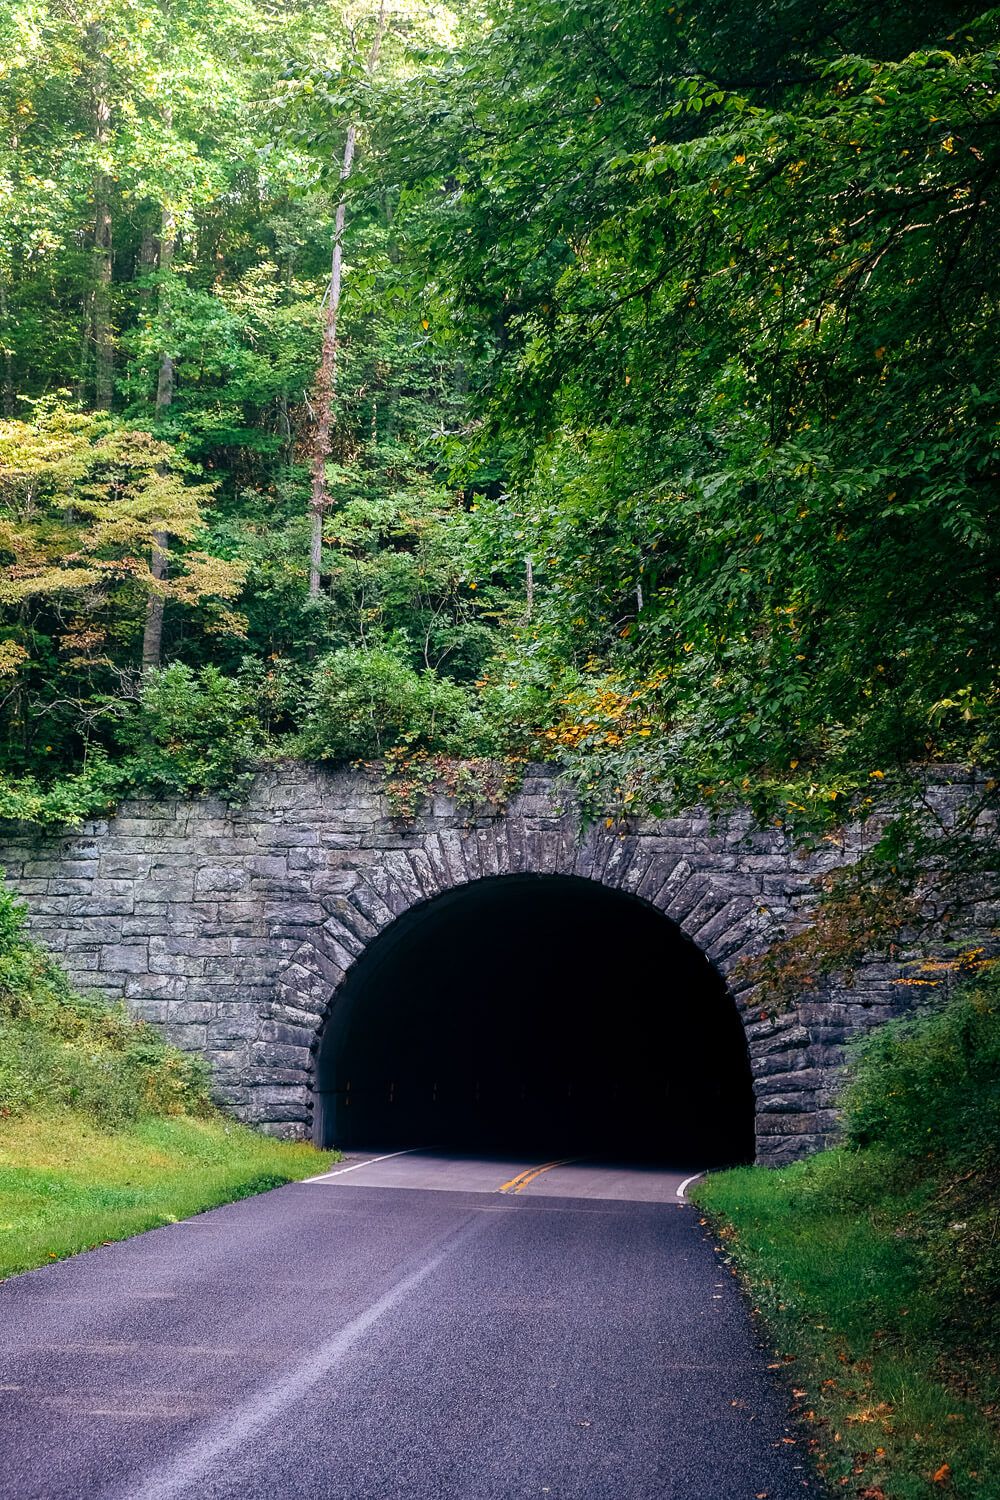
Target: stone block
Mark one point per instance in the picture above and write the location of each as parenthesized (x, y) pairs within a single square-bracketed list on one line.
[(226, 1060), (149, 987), (114, 865), (125, 958), (293, 913), (144, 926), (153, 1011), (224, 880), (176, 963), (91, 906), (167, 887), (77, 961)]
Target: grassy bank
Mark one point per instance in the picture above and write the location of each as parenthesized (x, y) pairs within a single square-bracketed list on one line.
[(876, 1267), (67, 1184), (106, 1129)]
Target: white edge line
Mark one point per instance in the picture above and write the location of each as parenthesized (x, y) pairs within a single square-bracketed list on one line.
[(356, 1166), (687, 1183), (180, 1474)]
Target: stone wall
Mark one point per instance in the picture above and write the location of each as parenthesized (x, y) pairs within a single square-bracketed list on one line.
[(234, 926)]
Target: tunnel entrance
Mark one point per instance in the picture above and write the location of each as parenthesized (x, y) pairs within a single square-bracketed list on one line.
[(536, 1013)]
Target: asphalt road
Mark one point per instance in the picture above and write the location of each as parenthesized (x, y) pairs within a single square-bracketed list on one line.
[(421, 1326)]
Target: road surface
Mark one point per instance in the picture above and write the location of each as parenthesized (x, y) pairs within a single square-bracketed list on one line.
[(418, 1327)]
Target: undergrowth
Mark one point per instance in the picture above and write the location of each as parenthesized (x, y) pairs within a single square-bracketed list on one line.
[(62, 1050), (105, 1128), (876, 1266)]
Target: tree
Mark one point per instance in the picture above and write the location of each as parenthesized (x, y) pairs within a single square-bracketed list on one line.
[(81, 499), (326, 383), (742, 293)]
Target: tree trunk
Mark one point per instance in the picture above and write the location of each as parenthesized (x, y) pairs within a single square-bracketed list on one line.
[(165, 374), (103, 336), (326, 382), (152, 637), (101, 326), (147, 261), (7, 392)]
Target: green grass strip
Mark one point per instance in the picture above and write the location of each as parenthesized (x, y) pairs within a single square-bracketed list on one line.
[(67, 1185), (893, 1404)]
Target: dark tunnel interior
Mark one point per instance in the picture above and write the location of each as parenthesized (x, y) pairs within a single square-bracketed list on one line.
[(536, 1013)]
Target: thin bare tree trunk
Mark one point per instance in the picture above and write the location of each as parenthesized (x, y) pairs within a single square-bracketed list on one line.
[(326, 382), (101, 328), (152, 636), (147, 261), (6, 331), (103, 336), (166, 372)]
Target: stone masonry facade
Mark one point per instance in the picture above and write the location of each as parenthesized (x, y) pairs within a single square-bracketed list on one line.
[(233, 926)]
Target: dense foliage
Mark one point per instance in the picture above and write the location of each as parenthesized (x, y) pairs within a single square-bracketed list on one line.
[(649, 413), (878, 1264), (746, 384)]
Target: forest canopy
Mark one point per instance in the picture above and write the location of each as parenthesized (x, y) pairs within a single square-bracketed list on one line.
[(597, 382)]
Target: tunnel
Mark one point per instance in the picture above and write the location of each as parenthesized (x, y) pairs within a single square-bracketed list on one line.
[(536, 1013)]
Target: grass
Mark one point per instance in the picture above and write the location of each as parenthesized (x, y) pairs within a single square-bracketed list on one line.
[(68, 1184), (105, 1128), (875, 1267)]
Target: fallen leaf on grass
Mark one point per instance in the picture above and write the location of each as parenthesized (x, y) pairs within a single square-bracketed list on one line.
[(940, 1476), (870, 1413)]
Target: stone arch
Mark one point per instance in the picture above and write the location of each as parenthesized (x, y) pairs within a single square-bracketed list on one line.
[(721, 922)]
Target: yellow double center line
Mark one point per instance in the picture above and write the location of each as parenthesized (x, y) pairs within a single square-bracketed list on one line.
[(520, 1182)]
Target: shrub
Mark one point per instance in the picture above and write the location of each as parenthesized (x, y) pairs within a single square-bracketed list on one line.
[(64, 803), (364, 702), (929, 1086), (924, 1110), (191, 730)]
